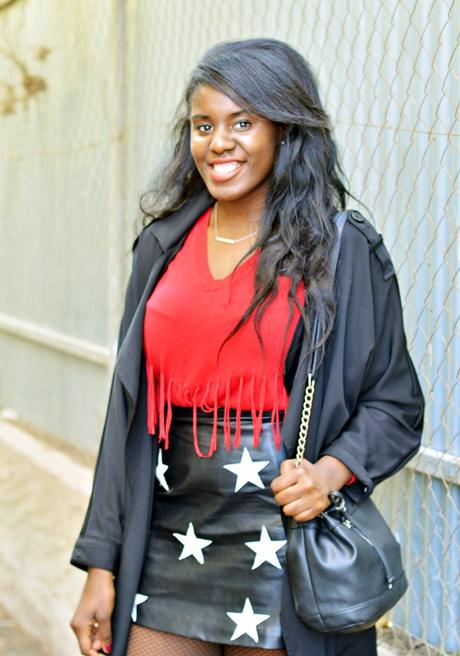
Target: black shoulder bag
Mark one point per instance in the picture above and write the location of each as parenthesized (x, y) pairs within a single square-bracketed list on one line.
[(344, 566)]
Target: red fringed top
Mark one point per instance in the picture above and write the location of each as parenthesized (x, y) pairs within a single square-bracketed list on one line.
[(187, 319)]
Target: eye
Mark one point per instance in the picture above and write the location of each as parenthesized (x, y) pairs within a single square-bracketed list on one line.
[(204, 128), (243, 124)]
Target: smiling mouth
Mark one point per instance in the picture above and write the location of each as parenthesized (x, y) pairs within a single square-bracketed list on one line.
[(221, 171), (226, 167)]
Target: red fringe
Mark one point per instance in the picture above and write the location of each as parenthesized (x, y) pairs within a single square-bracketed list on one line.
[(237, 435), (159, 411), (227, 431), (152, 417), (275, 419)]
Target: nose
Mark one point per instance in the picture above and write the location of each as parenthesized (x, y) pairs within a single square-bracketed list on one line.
[(222, 140)]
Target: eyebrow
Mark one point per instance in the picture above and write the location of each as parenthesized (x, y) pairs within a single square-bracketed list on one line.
[(232, 115)]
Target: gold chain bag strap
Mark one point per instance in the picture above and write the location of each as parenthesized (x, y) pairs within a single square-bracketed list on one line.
[(305, 419), (344, 566)]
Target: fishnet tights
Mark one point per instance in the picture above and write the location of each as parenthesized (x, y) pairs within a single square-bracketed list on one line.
[(147, 642)]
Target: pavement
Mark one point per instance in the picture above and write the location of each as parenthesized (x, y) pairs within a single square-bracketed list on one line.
[(14, 641), (43, 495)]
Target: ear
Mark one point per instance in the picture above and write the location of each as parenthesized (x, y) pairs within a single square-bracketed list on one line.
[(282, 134)]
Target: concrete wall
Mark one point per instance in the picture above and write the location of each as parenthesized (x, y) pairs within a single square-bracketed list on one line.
[(61, 202)]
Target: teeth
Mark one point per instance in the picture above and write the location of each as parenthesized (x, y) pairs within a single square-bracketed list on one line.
[(226, 167)]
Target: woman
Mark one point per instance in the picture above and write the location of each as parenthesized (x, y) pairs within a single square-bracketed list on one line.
[(196, 455)]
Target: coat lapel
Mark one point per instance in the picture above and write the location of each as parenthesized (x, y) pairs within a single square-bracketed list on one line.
[(169, 231), (128, 364), (167, 235)]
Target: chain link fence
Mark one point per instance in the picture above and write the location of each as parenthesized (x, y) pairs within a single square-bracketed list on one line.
[(87, 93)]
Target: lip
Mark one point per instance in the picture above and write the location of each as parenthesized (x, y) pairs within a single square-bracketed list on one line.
[(221, 170)]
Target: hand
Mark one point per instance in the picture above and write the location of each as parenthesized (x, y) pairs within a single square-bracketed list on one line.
[(91, 622), (303, 491)]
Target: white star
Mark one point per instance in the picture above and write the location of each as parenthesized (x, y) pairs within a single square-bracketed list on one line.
[(247, 470), (193, 546), (265, 549), (140, 598), (247, 621), (161, 470)]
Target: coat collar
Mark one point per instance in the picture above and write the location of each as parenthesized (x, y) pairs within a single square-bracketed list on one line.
[(170, 230)]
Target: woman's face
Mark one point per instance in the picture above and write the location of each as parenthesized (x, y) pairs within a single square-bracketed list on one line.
[(233, 149)]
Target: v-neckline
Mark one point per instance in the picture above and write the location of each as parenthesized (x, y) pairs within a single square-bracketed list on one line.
[(202, 257)]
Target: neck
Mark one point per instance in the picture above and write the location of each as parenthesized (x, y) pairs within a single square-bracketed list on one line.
[(239, 217)]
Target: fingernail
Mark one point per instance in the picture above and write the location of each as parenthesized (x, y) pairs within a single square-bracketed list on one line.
[(108, 649)]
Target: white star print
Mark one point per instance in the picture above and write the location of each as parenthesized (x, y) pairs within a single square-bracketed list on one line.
[(247, 621), (193, 546), (139, 599), (265, 549), (161, 470), (247, 470)]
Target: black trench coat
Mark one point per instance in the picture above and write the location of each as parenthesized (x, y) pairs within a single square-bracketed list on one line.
[(368, 408)]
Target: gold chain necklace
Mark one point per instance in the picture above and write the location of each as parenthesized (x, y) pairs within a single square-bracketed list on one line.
[(226, 240)]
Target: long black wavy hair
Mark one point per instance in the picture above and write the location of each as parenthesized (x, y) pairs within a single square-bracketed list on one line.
[(269, 78)]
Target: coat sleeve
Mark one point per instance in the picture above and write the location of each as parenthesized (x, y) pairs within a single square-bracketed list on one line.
[(383, 426), (98, 544)]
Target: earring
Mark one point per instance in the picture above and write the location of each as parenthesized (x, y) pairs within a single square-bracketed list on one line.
[(283, 142)]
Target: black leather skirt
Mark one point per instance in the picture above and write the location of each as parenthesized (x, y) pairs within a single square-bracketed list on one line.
[(214, 563)]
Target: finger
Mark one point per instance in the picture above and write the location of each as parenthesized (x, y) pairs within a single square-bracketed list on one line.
[(289, 494), (84, 642), (287, 465), (304, 495), (95, 642), (94, 628), (84, 635), (297, 508), (303, 510), (293, 485), (290, 471), (104, 637), (306, 515), (92, 652), (315, 509), (284, 481)]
